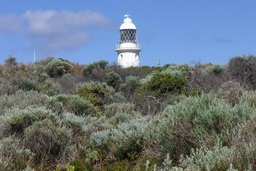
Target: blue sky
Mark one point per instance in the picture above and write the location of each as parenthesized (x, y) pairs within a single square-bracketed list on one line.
[(172, 31)]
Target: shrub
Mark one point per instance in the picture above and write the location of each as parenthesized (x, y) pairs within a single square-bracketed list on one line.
[(75, 104), (22, 100), (231, 92), (178, 140), (123, 165), (124, 142), (202, 117), (13, 156), (50, 87), (95, 93), (129, 86), (10, 61), (178, 70), (28, 85), (119, 118), (163, 84), (114, 108), (113, 79), (49, 142), (218, 158), (216, 69), (249, 98), (15, 121), (242, 69), (57, 67), (81, 126), (96, 70), (243, 140)]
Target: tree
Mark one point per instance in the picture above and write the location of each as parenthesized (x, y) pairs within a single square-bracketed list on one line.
[(57, 67)]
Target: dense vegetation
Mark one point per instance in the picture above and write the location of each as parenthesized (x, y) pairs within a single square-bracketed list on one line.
[(57, 115)]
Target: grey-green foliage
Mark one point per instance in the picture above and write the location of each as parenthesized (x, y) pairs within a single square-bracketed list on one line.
[(207, 112), (113, 79), (114, 108), (28, 85), (119, 118), (218, 158), (231, 92), (22, 100), (124, 134), (129, 137), (99, 94), (75, 122), (249, 98), (13, 156), (214, 69), (16, 120), (86, 125), (57, 67), (75, 104), (50, 87), (130, 83), (178, 70), (49, 141)]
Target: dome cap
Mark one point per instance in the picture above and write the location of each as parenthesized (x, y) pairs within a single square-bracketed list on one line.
[(127, 24)]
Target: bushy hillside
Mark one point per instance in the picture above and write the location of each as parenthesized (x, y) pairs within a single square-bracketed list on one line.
[(57, 115)]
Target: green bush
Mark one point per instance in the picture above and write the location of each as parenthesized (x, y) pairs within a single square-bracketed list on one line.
[(75, 104), (164, 84), (117, 166), (113, 79), (130, 83), (57, 67), (178, 70), (28, 85), (217, 69), (96, 93), (129, 86)]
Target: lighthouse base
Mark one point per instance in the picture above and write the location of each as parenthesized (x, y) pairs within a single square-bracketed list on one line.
[(128, 59)]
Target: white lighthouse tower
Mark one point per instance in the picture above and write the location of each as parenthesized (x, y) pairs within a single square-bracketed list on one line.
[(128, 48)]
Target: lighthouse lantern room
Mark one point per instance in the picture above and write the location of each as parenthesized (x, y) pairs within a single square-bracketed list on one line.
[(128, 48)]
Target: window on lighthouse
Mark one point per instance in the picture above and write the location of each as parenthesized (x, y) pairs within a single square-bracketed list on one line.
[(128, 35)]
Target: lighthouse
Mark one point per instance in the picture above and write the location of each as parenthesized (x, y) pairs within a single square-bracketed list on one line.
[(128, 49)]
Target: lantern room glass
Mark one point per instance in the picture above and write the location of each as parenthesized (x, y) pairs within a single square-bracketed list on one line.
[(128, 35)]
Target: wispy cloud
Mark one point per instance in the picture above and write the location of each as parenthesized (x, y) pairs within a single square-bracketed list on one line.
[(51, 30), (10, 24), (221, 40), (195, 37)]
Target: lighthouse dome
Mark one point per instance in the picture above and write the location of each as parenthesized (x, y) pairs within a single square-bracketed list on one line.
[(127, 24)]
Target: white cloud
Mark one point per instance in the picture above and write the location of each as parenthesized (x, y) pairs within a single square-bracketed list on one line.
[(54, 30), (10, 24), (53, 22), (67, 42)]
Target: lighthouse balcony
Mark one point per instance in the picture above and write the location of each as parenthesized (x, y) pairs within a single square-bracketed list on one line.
[(128, 46)]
